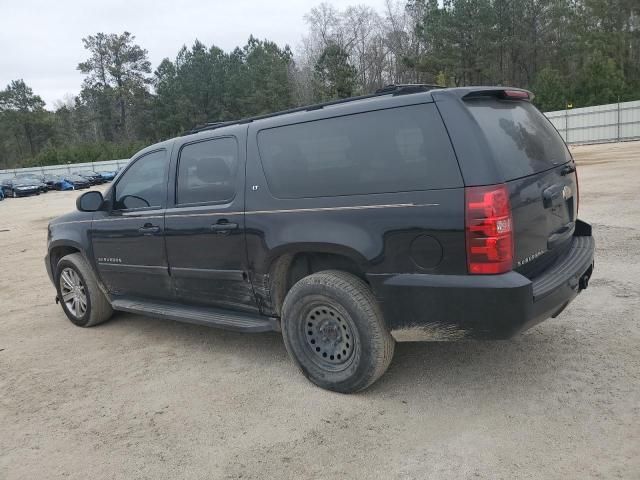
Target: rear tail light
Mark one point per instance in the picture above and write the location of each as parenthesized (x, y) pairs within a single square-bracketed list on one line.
[(521, 94), (500, 93), (489, 229)]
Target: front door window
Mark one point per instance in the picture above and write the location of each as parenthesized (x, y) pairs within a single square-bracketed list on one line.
[(144, 184)]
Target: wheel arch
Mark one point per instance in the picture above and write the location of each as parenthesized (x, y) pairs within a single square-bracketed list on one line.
[(288, 267), (57, 250)]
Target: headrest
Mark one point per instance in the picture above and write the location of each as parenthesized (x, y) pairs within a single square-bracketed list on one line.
[(213, 169)]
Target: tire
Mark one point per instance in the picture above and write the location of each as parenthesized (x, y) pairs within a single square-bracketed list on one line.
[(97, 308), (334, 331)]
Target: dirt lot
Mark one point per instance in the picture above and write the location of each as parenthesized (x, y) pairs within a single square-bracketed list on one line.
[(145, 398)]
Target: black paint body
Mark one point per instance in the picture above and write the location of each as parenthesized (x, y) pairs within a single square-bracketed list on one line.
[(409, 246)]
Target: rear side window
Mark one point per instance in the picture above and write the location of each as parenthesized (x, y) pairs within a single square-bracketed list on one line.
[(522, 140), (394, 150), (207, 171)]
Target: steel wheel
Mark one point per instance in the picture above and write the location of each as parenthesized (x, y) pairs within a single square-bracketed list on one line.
[(328, 335), (334, 331), (73, 292)]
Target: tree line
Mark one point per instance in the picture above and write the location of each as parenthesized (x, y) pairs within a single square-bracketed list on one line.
[(569, 52)]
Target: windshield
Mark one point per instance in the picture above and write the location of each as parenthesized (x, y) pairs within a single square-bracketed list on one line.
[(25, 181)]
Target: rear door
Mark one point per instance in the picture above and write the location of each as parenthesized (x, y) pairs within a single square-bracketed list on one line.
[(205, 229), (537, 167)]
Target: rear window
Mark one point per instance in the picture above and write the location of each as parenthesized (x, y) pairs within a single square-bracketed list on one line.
[(394, 150), (522, 140)]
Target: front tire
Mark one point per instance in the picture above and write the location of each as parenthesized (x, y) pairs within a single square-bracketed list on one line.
[(82, 300), (334, 331)]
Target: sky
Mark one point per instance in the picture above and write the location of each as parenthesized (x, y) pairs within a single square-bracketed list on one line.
[(41, 41)]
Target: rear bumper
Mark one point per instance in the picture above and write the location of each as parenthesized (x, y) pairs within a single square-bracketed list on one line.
[(453, 307)]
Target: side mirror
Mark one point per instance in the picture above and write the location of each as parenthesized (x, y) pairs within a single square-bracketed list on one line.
[(90, 201)]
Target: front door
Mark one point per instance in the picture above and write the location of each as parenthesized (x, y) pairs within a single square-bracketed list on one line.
[(128, 239), (205, 234)]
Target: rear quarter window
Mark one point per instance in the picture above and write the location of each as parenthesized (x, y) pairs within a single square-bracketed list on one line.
[(393, 150), (523, 142)]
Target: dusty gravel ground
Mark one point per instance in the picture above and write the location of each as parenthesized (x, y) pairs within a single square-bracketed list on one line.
[(144, 398)]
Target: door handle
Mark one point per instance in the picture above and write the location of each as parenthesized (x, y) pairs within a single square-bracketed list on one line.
[(148, 229), (223, 226)]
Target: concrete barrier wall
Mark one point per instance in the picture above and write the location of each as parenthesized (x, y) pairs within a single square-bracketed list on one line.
[(105, 166), (616, 122)]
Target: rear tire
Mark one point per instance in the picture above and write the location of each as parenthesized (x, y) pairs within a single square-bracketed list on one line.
[(82, 300), (334, 331)]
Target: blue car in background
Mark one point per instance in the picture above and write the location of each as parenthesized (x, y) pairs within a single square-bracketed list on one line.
[(54, 182), (57, 182), (77, 182), (108, 176), (64, 185), (61, 182)]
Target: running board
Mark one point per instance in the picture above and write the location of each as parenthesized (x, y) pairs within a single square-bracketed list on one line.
[(210, 317)]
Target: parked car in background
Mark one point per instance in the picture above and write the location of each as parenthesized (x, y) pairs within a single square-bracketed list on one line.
[(108, 176), (52, 180), (65, 185), (57, 182), (94, 177), (21, 187), (77, 182), (35, 178), (1, 195)]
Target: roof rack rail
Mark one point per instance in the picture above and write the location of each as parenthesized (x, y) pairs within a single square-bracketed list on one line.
[(406, 88), (400, 89), (206, 126)]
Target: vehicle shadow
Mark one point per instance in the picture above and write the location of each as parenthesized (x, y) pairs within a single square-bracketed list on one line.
[(527, 358), (258, 347), (526, 361)]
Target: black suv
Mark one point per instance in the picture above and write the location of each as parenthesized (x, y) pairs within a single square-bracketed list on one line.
[(410, 214)]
